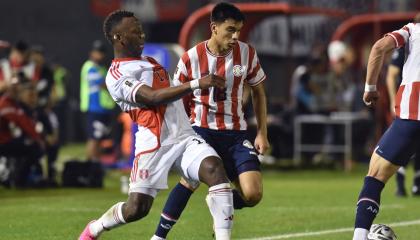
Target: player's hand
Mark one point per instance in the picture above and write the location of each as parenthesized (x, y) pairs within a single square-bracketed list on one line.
[(212, 80), (370, 98), (261, 143)]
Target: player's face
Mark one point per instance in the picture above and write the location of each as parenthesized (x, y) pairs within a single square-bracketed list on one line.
[(227, 33), (132, 35)]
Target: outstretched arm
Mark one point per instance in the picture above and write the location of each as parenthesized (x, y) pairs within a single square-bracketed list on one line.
[(150, 96)]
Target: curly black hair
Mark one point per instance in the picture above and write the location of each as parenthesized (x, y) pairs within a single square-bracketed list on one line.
[(224, 10), (112, 20)]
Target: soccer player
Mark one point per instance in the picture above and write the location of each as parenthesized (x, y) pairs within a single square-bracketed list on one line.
[(141, 87), (393, 79), (217, 115), (402, 138)]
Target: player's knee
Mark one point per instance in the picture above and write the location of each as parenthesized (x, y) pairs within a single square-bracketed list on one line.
[(135, 212), (252, 198), (212, 171)]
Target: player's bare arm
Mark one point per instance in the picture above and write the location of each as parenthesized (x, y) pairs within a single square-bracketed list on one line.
[(259, 102), (150, 96), (380, 50), (391, 84)]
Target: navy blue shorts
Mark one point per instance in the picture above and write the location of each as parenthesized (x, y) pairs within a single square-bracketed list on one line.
[(99, 126), (400, 141), (235, 149)]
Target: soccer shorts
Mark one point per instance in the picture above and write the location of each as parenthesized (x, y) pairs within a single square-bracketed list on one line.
[(150, 169), (400, 141), (234, 147), (99, 125)]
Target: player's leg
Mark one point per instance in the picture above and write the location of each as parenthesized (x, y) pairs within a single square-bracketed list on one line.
[(201, 162), (416, 181), (136, 207), (394, 149), (400, 178), (249, 189), (247, 169), (174, 206)]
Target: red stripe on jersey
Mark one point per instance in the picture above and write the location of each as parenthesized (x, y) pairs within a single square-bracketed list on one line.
[(118, 71), (111, 70), (221, 71), (398, 98), (407, 30), (204, 70), (413, 110), (399, 38), (235, 88), (250, 59), (115, 71)]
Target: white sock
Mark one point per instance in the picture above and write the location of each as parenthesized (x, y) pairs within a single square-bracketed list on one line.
[(111, 219), (220, 202), (157, 238), (360, 234)]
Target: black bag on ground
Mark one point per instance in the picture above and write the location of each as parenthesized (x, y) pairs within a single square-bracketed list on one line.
[(77, 173)]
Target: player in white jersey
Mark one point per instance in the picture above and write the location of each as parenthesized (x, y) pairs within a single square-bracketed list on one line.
[(402, 138), (217, 115), (141, 87)]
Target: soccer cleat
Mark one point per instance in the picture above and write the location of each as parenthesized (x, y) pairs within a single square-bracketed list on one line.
[(86, 235)]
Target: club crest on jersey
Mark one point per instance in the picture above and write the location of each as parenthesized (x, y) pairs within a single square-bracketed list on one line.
[(143, 173), (238, 70), (248, 144)]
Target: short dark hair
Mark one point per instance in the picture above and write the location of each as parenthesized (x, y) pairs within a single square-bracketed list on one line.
[(112, 20), (223, 11)]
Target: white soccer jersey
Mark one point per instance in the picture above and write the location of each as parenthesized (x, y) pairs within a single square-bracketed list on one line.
[(158, 125), (214, 108), (407, 98)]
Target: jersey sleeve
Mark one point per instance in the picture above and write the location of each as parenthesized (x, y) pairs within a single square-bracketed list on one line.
[(127, 86), (255, 73), (402, 35), (181, 73)]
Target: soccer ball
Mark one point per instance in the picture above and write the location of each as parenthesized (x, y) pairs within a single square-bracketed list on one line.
[(381, 232)]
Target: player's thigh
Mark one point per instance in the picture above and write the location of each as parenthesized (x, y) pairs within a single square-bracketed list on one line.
[(395, 148), (196, 151), (400, 141), (150, 169), (250, 184)]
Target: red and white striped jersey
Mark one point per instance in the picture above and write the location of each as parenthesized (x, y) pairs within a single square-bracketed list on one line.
[(407, 98), (157, 125), (214, 108)]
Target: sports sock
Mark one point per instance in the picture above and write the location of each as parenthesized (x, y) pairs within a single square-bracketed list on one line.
[(367, 205), (220, 202), (111, 219), (238, 201), (175, 204)]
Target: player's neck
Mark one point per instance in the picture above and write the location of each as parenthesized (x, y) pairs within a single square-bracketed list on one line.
[(215, 48), (122, 53)]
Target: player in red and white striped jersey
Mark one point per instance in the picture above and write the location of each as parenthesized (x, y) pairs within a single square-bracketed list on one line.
[(402, 138), (218, 116), (141, 87)]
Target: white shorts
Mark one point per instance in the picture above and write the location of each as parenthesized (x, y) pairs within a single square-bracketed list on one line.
[(150, 170)]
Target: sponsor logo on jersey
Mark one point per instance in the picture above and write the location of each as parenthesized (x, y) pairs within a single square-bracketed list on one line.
[(128, 83), (238, 70)]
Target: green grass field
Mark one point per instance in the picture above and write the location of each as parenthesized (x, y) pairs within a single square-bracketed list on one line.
[(310, 205)]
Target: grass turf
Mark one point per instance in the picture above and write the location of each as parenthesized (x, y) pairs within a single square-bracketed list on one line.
[(294, 202)]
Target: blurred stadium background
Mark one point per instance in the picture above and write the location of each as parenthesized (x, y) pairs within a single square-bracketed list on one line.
[(315, 149)]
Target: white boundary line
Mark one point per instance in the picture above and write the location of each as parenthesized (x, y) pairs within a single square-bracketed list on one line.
[(325, 232)]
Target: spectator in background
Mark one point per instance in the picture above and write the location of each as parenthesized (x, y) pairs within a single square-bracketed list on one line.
[(59, 95), (95, 100), (44, 80), (18, 61), (393, 80), (20, 142)]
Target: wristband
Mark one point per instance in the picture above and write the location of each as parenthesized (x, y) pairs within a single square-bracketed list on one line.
[(194, 84), (370, 88)]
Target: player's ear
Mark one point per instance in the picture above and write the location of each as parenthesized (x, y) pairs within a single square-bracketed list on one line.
[(213, 28)]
